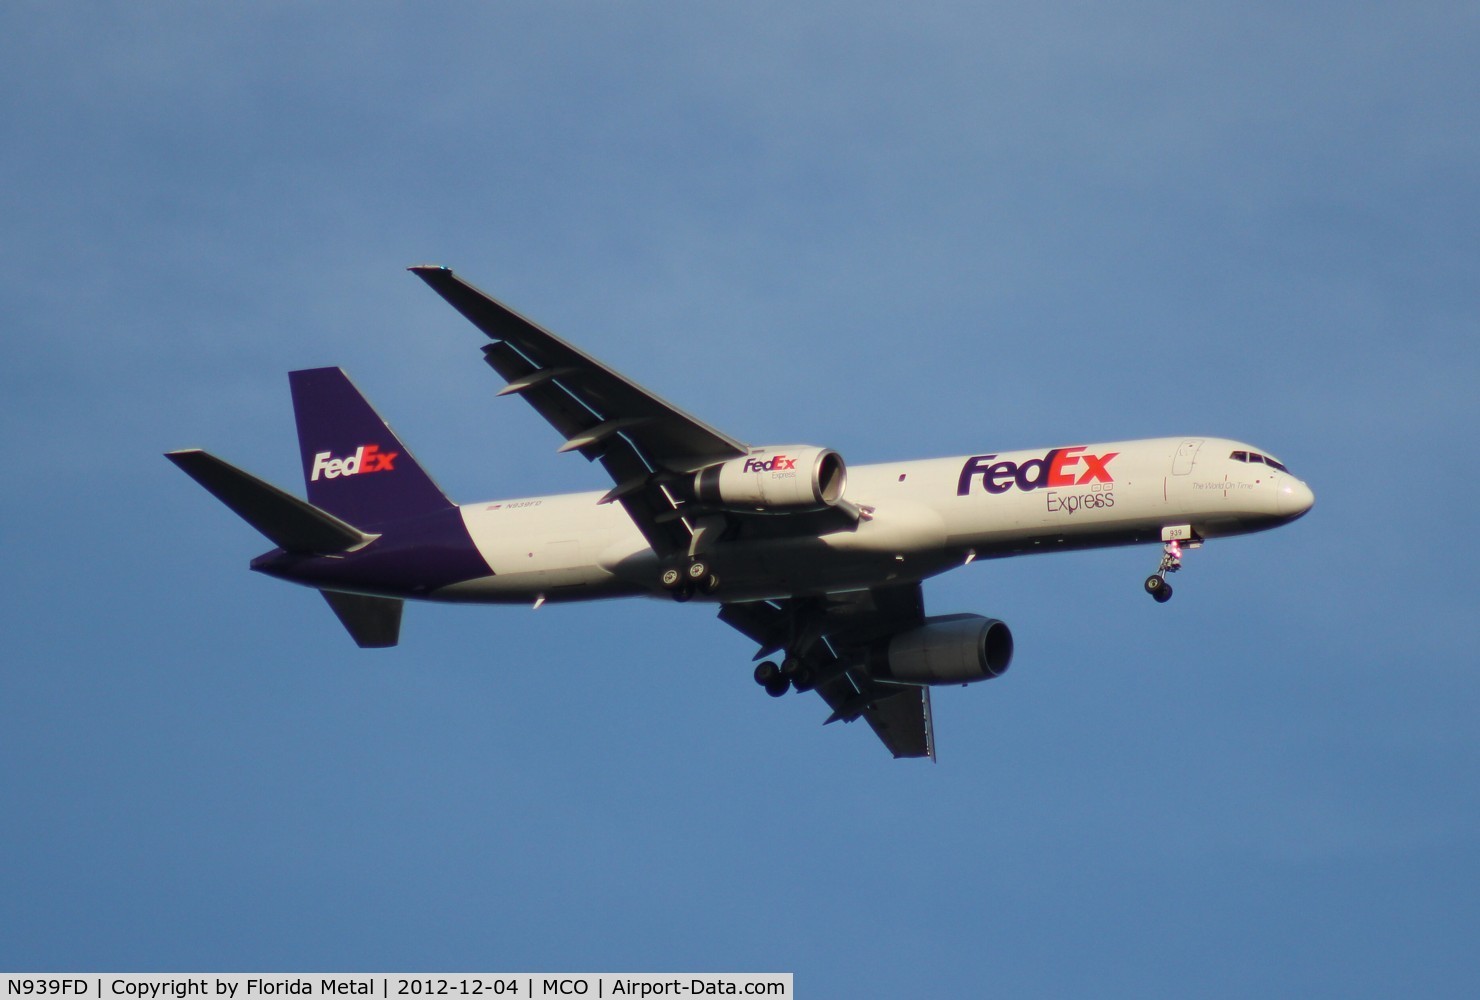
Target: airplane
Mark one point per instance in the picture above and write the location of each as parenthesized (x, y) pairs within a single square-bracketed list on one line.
[(818, 562)]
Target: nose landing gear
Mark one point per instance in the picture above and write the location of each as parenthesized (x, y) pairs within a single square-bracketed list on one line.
[(1171, 562)]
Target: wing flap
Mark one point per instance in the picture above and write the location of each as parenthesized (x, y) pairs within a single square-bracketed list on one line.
[(902, 721), (671, 438), (548, 395), (644, 442), (898, 714)]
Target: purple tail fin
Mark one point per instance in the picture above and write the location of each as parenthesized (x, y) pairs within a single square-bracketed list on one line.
[(355, 466)]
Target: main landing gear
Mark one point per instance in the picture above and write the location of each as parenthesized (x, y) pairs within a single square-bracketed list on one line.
[(1171, 562), (792, 673), (685, 581)]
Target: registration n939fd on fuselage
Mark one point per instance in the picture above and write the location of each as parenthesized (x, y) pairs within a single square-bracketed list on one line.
[(818, 561)]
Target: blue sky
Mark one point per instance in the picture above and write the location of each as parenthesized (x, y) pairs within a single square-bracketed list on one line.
[(894, 231)]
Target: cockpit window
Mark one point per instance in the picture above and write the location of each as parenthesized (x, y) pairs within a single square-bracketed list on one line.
[(1254, 458)]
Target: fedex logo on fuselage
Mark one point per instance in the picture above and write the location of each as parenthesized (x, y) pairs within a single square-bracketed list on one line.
[(778, 464), (367, 458), (1060, 467)]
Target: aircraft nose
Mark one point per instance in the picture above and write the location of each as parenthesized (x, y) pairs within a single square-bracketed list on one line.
[(1295, 498)]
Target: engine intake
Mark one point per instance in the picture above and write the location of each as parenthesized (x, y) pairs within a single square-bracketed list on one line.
[(950, 649), (787, 477)]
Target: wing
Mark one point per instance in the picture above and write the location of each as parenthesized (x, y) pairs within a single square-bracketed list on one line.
[(825, 640), (648, 446)]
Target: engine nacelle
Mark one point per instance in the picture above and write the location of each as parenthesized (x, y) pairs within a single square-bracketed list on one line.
[(950, 649), (786, 477)]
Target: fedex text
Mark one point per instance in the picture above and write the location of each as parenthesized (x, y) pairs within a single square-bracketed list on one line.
[(1060, 467), (778, 464), (366, 458)]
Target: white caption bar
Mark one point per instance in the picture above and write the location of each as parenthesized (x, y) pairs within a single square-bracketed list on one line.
[(393, 986)]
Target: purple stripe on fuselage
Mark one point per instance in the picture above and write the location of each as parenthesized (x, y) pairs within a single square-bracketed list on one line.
[(411, 558)]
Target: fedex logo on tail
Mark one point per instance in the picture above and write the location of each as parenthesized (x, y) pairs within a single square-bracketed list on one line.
[(366, 458), (778, 464), (1060, 467)]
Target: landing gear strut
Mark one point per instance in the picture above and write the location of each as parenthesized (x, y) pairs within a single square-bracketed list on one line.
[(1171, 562)]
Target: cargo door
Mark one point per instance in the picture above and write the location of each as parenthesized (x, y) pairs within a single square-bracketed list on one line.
[(1186, 456)]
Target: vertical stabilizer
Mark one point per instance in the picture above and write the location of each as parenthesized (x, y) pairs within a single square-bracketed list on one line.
[(353, 464)]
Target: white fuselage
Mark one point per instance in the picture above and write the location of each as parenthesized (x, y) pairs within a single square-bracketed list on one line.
[(920, 518)]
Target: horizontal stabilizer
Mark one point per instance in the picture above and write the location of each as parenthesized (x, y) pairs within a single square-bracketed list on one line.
[(372, 622), (290, 523)]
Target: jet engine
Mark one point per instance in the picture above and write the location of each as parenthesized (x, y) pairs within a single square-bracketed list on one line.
[(950, 649), (786, 477)]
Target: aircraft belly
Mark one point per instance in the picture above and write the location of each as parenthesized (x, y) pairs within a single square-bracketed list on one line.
[(781, 568), (522, 588)]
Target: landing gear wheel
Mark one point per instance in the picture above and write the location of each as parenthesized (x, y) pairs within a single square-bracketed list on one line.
[(683, 594), (710, 584), (797, 672), (1158, 588), (698, 570), (794, 670), (770, 677), (671, 578)]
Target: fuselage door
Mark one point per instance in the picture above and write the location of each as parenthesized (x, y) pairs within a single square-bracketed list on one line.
[(1186, 456)]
